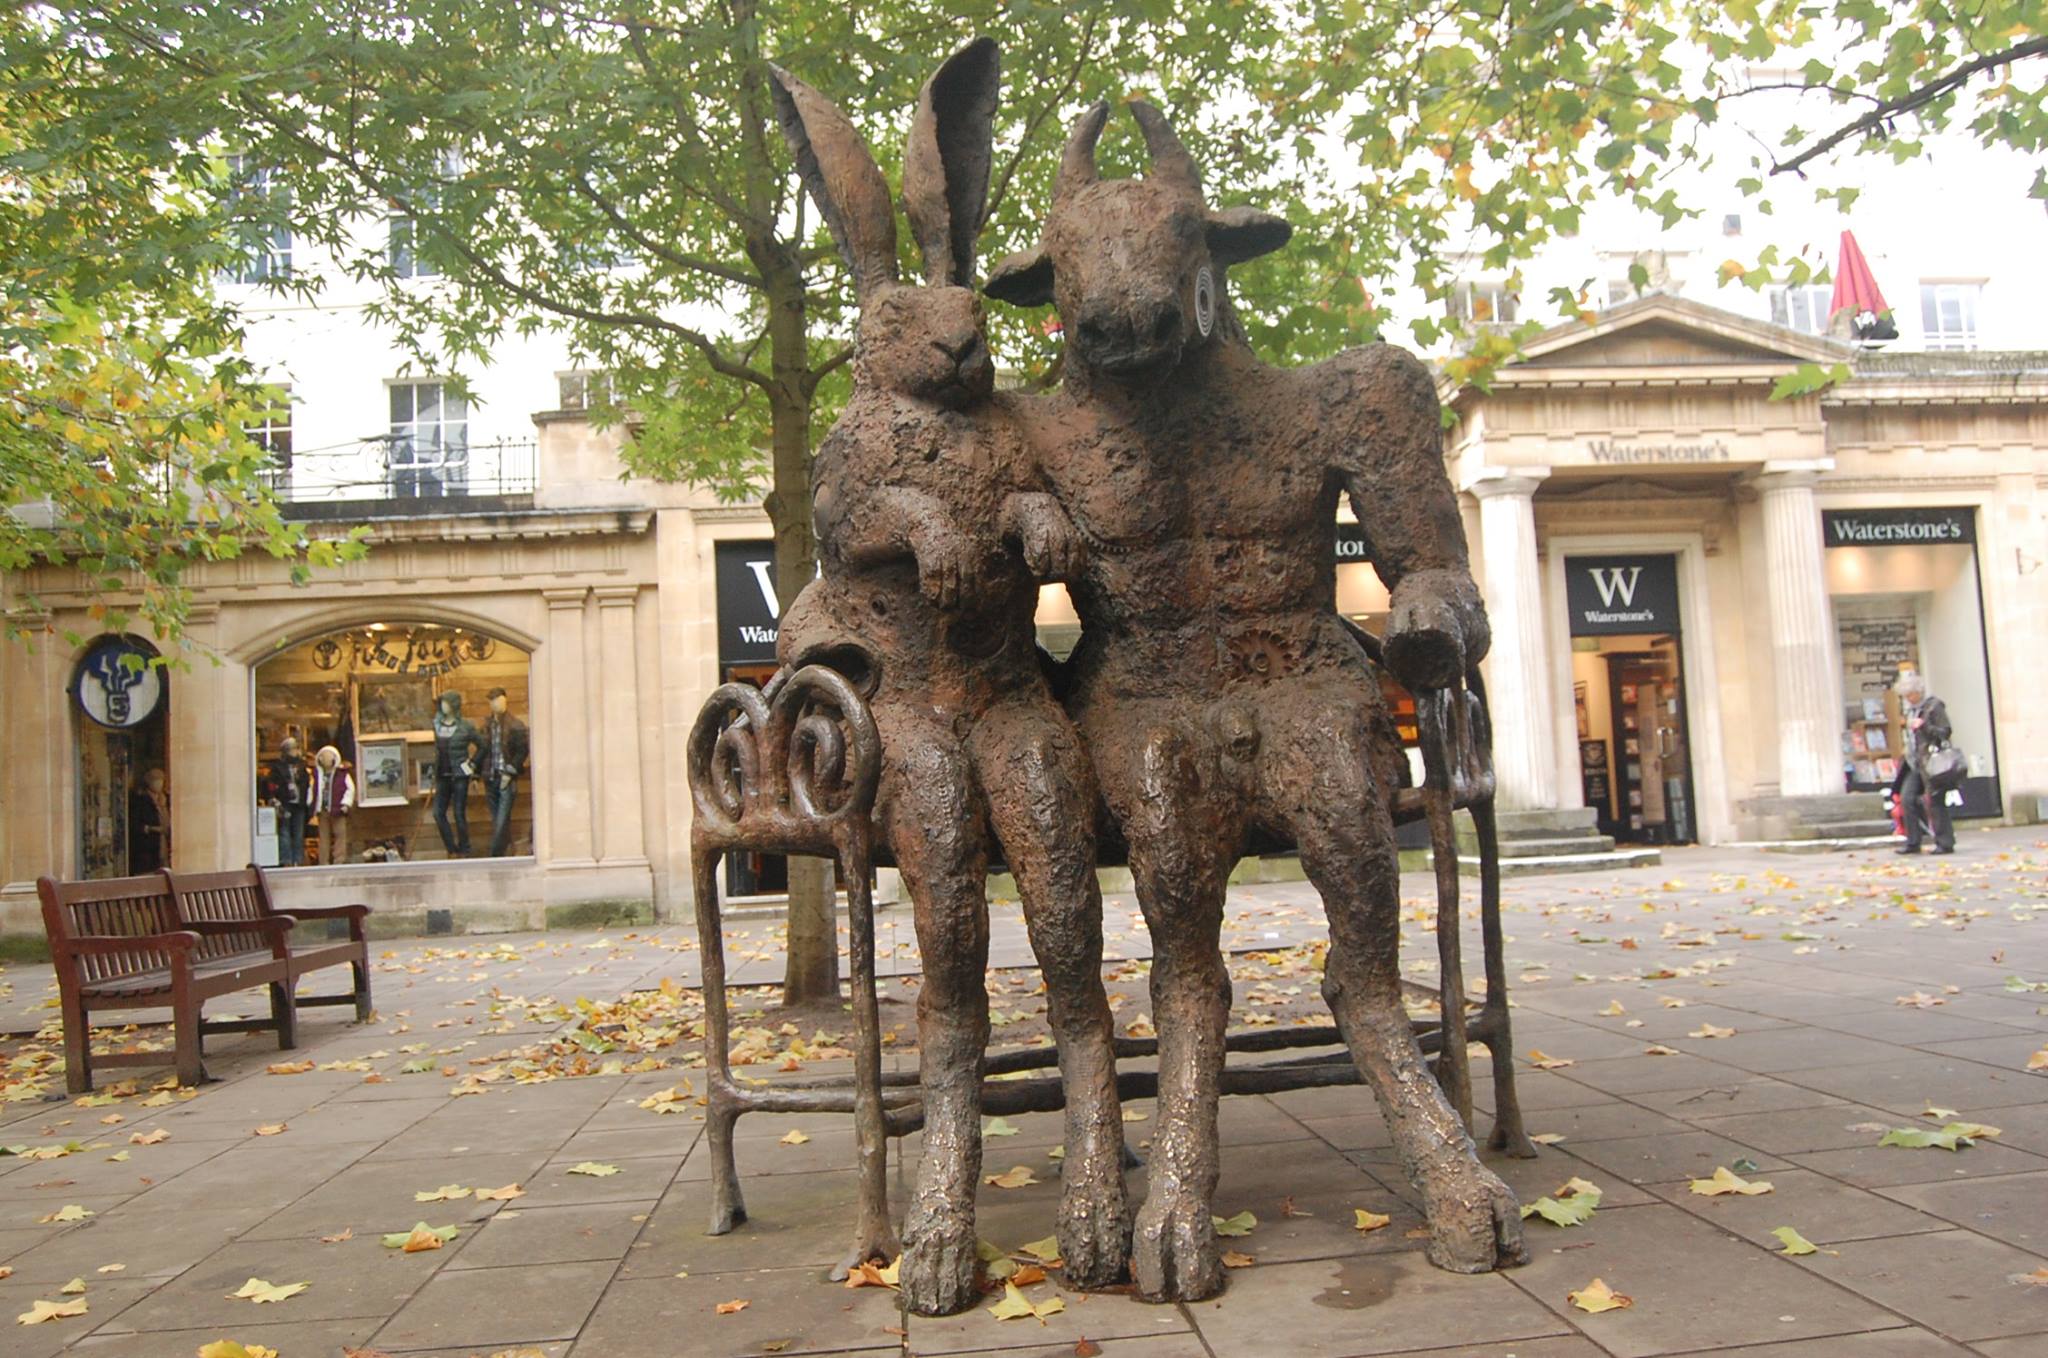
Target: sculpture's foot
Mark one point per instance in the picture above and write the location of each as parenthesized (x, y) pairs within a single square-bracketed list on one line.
[(872, 1244), (1174, 1254), (726, 1213), (1512, 1140), (1475, 1224), (937, 1274), (1094, 1228)]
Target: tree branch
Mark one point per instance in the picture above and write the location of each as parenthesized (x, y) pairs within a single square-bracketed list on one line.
[(649, 246), (1926, 94), (1032, 124)]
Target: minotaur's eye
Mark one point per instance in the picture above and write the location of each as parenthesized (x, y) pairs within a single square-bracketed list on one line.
[(1205, 300)]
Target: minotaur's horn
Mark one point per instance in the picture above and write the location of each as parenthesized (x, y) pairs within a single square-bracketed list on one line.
[(1170, 160), (1077, 162)]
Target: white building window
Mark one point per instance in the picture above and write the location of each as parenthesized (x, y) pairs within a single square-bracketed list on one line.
[(407, 232), (1948, 314), (272, 432), (1802, 307), (1484, 302), (429, 440), (266, 248)]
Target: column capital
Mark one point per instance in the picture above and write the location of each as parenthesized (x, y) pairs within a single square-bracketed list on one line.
[(1790, 473), (566, 598), (615, 596), (1493, 481)]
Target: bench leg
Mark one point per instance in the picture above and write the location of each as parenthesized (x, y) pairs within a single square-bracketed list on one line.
[(185, 1033), (728, 1204), (77, 1046), (362, 976), (284, 1013)]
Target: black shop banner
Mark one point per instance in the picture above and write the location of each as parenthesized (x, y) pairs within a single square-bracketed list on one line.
[(1918, 527), (747, 608), (1608, 595)]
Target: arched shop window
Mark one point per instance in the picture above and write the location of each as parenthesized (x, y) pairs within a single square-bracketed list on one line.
[(393, 741), (120, 698)]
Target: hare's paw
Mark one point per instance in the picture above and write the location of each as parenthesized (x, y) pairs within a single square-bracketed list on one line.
[(936, 1274)]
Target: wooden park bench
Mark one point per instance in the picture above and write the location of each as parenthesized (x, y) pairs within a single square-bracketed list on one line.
[(128, 943), (243, 897)]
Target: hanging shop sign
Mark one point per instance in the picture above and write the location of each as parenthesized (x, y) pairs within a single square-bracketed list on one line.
[(424, 653), (116, 685), (747, 607), (1617, 594), (1917, 527)]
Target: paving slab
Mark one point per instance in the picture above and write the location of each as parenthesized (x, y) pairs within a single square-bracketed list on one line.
[(2012, 1208), (787, 1312), (1956, 1283), (493, 1307)]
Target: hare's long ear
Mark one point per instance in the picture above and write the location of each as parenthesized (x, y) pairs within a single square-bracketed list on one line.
[(842, 178), (946, 164)]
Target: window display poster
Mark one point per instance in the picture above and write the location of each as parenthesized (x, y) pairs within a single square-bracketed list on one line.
[(381, 766), (405, 703)]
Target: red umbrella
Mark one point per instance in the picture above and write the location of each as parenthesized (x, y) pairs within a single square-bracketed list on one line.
[(1855, 286)]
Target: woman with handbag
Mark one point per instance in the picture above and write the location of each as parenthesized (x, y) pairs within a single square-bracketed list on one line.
[(1933, 768)]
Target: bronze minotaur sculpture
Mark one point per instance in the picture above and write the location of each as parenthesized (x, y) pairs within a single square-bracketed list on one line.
[(934, 531), (1187, 492), (1216, 689)]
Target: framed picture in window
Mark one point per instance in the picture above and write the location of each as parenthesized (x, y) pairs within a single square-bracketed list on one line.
[(387, 706), (422, 770), (380, 765)]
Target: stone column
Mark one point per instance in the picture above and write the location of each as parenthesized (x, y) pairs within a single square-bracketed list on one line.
[(1808, 681), (620, 836), (564, 757), (1518, 671)]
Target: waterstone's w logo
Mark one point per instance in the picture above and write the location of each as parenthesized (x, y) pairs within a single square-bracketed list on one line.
[(1610, 583)]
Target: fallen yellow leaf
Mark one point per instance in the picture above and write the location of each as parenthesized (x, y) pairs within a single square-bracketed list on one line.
[(728, 1308), (594, 1170), (289, 1067), (1244, 1223), (1709, 1030), (1236, 1259), (505, 1194), (40, 1311), (1613, 1010), (1369, 1221), (445, 1193), (1015, 1306), (271, 1128), (258, 1291), (230, 1348), (1046, 1251), (1597, 1296), (1017, 1176), (2039, 1060), (1541, 1061), (148, 1138), (68, 1212), (793, 1137), (1725, 1181), (74, 1288)]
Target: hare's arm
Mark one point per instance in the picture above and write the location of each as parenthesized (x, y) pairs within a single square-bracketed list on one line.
[(886, 524), (1034, 523)]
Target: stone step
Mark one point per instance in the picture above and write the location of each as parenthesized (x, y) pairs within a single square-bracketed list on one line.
[(1531, 846), (1843, 845), (1841, 829), (1535, 865)]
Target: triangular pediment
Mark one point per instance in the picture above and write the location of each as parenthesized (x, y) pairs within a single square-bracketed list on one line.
[(1661, 331)]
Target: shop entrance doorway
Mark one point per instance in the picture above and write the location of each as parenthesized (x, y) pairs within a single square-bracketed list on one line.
[(120, 701), (1628, 686)]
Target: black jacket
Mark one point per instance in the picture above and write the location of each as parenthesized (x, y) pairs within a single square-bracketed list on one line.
[(518, 747), (287, 774), (1934, 730)]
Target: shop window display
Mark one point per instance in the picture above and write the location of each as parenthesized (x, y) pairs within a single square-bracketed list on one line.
[(391, 742), (1904, 587)]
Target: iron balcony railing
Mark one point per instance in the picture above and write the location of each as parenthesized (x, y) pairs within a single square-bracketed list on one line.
[(399, 471)]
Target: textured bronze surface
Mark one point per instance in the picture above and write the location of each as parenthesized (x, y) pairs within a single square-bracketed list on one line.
[(1216, 690), (935, 529), (1186, 492)]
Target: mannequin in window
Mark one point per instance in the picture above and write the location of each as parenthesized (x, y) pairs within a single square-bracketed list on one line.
[(291, 792), (149, 825), (334, 796), (455, 766), (505, 747)]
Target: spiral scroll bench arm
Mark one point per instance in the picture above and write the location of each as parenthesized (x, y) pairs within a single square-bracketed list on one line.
[(791, 768)]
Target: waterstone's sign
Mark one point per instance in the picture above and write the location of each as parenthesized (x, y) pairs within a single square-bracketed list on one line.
[(1616, 594), (1897, 527), (1603, 451), (747, 609)]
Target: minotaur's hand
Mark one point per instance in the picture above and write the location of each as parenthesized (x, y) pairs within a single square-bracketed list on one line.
[(1438, 629)]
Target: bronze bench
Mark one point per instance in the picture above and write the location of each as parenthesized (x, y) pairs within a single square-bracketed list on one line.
[(793, 767)]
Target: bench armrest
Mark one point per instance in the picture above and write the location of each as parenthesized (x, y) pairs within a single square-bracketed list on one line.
[(354, 914), (182, 941)]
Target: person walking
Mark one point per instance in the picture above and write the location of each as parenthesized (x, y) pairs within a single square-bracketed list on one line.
[(1927, 729)]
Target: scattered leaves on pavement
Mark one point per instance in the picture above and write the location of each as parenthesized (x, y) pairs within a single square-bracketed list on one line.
[(1015, 1306), (259, 1291), (1726, 1181), (445, 1193), (41, 1311), (1572, 1204), (1597, 1296), (420, 1237)]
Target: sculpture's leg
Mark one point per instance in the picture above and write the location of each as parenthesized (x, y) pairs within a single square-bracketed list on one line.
[(1042, 800), (1509, 1133), (935, 826), (1179, 860), (728, 1207), (1317, 778), (1453, 1065), (873, 1236)]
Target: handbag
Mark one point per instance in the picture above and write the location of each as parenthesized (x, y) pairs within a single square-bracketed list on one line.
[(1943, 768)]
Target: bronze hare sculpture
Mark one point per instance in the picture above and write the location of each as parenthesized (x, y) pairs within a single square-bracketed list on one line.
[(935, 529)]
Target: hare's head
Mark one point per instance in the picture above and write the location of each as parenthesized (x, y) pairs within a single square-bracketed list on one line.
[(923, 341)]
